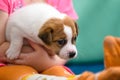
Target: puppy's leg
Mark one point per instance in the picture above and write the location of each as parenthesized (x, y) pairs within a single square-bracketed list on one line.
[(16, 42)]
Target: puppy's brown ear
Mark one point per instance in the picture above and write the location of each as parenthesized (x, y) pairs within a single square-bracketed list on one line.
[(76, 26), (46, 35)]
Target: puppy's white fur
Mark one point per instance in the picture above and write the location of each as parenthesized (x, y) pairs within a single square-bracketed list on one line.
[(69, 47), (23, 25)]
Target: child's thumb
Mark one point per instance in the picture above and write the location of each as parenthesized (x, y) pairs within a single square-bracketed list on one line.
[(34, 45)]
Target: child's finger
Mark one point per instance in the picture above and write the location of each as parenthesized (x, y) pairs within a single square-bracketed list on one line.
[(4, 47), (20, 60), (34, 45)]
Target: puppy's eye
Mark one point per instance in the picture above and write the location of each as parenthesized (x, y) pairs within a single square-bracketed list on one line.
[(62, 42), (74, 39)]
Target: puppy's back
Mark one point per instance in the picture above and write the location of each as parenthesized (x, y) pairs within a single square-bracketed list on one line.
[(36, 12), (32, 17)]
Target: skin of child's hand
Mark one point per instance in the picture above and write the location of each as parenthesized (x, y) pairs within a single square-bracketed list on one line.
[(3, 48), (39, 58), (35, 56)]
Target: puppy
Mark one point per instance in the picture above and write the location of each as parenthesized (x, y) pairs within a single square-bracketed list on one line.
[(44, 25)]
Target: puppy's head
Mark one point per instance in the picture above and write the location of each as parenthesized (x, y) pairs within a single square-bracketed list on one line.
[(59, 35)]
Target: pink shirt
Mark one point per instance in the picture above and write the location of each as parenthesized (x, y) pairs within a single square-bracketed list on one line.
[(10, 6), (64, 6)]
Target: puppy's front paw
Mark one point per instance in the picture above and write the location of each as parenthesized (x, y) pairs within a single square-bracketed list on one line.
[(12, 54)]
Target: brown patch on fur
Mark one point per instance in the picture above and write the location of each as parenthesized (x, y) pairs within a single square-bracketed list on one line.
[(71, 23), (51, 32)]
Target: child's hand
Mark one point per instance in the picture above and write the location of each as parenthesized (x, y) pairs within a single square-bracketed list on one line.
[(38, 59), (3, 48)]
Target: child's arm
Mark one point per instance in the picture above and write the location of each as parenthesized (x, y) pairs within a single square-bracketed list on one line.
[(3, 20), (3, 45)]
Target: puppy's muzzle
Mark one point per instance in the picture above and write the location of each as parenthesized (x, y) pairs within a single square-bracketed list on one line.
[(72, 54)]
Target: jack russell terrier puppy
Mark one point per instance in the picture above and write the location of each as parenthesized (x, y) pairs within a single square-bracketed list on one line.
[(42, 24)]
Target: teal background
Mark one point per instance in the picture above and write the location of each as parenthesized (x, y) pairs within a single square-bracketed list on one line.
[(97, 19)]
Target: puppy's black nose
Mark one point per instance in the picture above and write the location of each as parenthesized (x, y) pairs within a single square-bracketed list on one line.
[(72, 54)]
